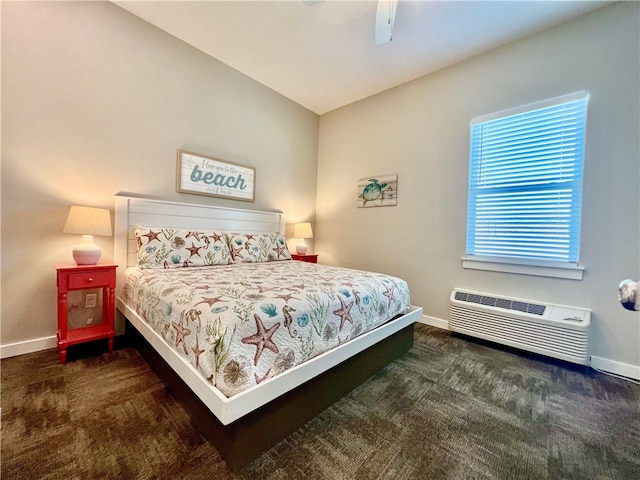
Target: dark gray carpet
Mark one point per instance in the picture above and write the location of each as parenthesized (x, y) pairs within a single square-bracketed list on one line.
[(450, 409)]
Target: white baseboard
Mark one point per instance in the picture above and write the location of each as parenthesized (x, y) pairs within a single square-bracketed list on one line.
[(28, 346), (434, 322), (618, 368)]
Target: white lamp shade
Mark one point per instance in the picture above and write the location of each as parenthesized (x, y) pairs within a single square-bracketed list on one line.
[(88, 221), (302, 230)]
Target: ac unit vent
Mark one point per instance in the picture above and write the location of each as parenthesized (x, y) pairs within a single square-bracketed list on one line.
[(503, 303), (558, 331)]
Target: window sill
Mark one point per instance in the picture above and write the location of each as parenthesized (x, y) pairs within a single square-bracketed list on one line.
[(524, 267)]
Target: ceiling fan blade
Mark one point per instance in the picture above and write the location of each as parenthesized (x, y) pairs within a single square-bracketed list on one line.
[(385, 16)]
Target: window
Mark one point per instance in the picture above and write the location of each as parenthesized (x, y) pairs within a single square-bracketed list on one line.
[(525, 187)]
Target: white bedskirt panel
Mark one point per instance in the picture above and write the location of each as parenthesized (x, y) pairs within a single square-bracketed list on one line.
[(241, 324)]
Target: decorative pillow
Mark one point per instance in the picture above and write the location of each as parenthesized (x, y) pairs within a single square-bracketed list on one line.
[(173, 248), (257, 247)]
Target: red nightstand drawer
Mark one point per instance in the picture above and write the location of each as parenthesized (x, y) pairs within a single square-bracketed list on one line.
[(88, 280)]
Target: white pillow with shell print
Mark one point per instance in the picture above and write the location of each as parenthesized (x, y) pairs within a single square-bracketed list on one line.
[(176, 248), (257, 247)]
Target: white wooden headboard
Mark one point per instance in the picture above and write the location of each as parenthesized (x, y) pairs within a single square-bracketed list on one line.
[(132, 212)]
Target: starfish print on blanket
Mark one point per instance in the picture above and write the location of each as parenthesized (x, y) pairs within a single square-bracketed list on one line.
[(262, 339), (260, 380), (181, 332), (197, 352), (344, 312), (216, 237), (210, 300), (286, 297), (389, 294)]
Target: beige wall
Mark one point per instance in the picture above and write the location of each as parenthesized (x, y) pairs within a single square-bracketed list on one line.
[(96, 101), (420, 131)]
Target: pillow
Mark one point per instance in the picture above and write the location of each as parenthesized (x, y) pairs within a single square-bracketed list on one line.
[(174, 248), (257, 247)]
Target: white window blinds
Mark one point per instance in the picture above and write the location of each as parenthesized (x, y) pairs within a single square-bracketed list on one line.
[(525, 181)]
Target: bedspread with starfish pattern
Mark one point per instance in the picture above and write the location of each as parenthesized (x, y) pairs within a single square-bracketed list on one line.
[(241, 324)]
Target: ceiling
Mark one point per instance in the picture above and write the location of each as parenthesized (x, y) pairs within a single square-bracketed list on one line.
[(321, 53)]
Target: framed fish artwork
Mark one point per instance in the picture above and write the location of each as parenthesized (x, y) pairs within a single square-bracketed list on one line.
[(378, 191)]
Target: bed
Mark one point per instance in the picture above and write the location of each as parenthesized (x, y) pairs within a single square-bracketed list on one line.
[(248, 397)]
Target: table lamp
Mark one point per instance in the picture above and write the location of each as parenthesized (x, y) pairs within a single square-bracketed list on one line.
[(302, 231), (88, 221)]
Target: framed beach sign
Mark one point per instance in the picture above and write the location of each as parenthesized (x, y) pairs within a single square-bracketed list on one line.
[(203, 175), (378, 191)]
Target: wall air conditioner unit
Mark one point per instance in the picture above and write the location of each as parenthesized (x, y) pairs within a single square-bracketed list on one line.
[(557, 331)]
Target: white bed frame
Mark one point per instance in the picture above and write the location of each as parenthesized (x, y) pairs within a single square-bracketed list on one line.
[(131, 212)]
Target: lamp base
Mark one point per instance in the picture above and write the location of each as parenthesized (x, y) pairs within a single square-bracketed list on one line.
[(87, 253), (301, 248)]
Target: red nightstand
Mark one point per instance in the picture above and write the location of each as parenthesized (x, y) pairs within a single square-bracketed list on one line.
[(83, 277), (310, 257)]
